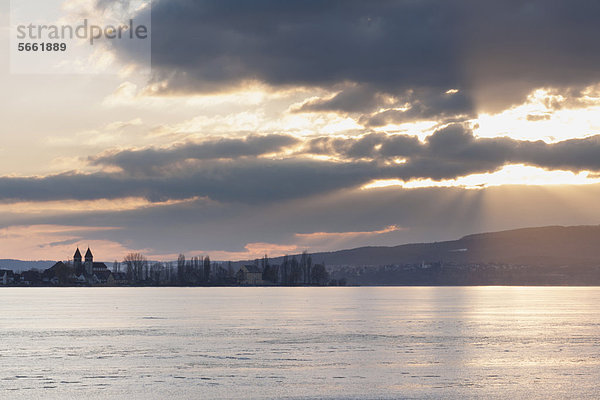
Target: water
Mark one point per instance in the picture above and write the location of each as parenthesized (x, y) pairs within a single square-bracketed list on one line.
[(407, 342)]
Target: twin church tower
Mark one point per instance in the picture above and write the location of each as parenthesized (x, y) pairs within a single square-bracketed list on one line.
[(87, 265)]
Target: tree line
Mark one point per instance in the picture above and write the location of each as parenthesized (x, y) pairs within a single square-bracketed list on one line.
[(292, 271), (201, 271)]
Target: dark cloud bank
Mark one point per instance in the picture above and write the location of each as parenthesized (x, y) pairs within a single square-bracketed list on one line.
[(494, 53), (428, 214), (233, 170)]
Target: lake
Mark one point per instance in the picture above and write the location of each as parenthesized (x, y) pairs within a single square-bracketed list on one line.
[(338, 343)]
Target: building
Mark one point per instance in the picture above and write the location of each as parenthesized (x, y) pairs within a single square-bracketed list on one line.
[(31, 277), (250, 275), (7, 277), (87, 265), (59, 273), (120, 278), (83, 271)]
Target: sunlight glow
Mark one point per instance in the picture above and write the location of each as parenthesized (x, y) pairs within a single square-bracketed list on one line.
[(544, 116), (508, 175), (421, 129)]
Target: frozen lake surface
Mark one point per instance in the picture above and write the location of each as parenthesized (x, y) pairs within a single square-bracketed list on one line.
[(341, 343)]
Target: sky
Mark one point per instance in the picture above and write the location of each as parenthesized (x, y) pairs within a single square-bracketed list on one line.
[(282, 126)]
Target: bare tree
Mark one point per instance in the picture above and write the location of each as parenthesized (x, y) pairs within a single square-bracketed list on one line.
[(206, 269), (169, 275), (136, 263), (156, 272), (320, 276), (180, 268), (196, 270), (230, 272), (285, 270), (295, 275), (116, 267)]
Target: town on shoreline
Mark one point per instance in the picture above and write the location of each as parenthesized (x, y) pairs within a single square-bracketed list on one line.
[(136, 270), (430, 267)]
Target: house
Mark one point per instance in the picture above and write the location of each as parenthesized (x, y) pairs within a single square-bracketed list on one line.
[(7, 277), (31, 277), (249, 275), (80, 279), (105, 277), (120, 278), (58, 273)]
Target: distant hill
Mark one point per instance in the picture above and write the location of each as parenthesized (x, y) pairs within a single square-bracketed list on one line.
[(550, 246), (546, 246), (18, 265)]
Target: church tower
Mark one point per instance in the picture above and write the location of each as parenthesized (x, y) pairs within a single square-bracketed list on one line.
[(77, 259), (89, 261)]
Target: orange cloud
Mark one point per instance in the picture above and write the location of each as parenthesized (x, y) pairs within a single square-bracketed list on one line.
[(345, 235), (325, 241), (74, 206), (253, 251)]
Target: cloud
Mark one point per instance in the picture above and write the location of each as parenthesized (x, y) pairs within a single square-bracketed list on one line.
[(352, 99), (60, 243), (260, 169), (493, 53), (298, 42), (370, 145), (427, 214), (425, 106), (253, 251), (243, 181), (323, 241), (538, 117), (454, 151), (336, 235), (153, 160), (377, 108)]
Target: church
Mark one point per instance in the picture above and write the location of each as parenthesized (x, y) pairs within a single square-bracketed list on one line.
[(87, 266), (84, 271)]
